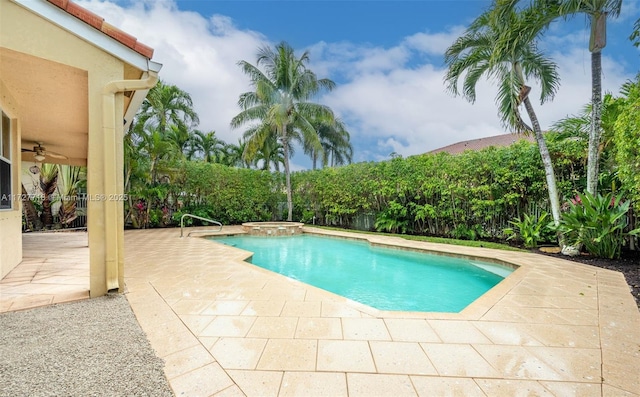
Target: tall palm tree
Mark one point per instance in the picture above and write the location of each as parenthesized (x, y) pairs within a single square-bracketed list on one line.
[(597, 11), (501, 45), (271, 153), (208, 145), (181, 137), (335, 145), (167, 105), (281, 101), (48, 184), (234, 155)]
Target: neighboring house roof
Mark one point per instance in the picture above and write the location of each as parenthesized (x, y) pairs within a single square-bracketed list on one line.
[(99, 23), (481, 143)]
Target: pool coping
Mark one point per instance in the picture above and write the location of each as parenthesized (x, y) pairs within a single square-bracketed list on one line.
[(472, 311), (554, 327)]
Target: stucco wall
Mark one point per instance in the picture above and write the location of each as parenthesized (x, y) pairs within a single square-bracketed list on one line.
[(11, 220), (23, 31)]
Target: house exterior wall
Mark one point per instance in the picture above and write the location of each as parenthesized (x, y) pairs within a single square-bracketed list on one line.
[(11, 220), (26, 32)]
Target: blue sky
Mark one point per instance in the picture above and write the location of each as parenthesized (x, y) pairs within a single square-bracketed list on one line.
[(385, 56)]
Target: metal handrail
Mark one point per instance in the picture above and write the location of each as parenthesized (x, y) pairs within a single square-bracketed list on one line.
[(200, 218)]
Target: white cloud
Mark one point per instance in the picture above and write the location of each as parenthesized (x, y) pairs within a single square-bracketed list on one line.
[(390, 97), (434, 43), (199, 55)]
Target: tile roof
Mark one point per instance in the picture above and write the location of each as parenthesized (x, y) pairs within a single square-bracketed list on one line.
[(98, 22), (481, 143)]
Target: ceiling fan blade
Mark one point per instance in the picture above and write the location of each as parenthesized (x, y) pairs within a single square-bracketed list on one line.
[(28, 150), (56, 155)]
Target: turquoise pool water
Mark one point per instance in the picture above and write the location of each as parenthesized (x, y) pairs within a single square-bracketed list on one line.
[(384, 278)]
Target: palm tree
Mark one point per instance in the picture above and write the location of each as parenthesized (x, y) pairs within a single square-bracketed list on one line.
[(335, 146), (281, 103), (207, 145), (234, 155), (71, 180), (597, 11), (48, 184), (181, 137), (501, 45), (167, 105), (271, 153)]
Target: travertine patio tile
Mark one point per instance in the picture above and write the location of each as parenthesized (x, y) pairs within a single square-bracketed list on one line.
[(190, 306), (204, 381), (319, 328), (585, 318), (310, 384), (208, 341), (573, 364), (458, 360), (301, 309), (411, 330), (368, 385), (568, 389), (365, 329), (166, 341), (71, 296), (263, 308), (196, 323), (502, 387), (429, 386), (228, 326), (401, 358), (517, 362), (257, 383), (583, 336), (332, 309), (273, 327), (345, 356), (231, 391), (29, 301), (222, 307), (611, 391), (238, 353), (289, 355), (622, 374), (507, 333), (451, 331), (186, 360)]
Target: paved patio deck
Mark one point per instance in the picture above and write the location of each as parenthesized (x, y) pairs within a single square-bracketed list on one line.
[(226, 327)]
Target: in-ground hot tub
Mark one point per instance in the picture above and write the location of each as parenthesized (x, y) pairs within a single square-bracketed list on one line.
[(272, 228)]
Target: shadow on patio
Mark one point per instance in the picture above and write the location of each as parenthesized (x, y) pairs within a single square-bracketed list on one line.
[(54, 269)]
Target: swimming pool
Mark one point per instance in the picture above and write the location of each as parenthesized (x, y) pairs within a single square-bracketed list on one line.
[(384, 278)]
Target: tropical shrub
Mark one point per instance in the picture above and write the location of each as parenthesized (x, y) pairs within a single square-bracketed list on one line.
[(598, 223), (530, 230)]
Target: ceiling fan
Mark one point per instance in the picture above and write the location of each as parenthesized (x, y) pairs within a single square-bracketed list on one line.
[(40, 153)]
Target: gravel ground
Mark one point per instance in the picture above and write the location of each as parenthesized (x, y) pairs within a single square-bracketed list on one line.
[(93, 347)]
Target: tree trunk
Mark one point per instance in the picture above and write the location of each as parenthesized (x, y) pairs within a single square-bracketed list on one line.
[(546, 161), (33, 222), (287, 172), (594, 132)]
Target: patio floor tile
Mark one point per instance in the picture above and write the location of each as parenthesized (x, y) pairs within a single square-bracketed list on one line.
[(345, 356)]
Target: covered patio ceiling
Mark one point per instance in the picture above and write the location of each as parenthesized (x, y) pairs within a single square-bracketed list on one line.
[(52, 100)]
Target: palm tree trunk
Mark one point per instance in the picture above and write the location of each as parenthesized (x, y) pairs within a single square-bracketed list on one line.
[(33, 222), (546, 161), (594, 133), (287, 172)]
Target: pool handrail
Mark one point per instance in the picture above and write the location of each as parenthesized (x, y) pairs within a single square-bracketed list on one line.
[(200, 218)]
